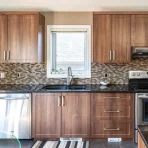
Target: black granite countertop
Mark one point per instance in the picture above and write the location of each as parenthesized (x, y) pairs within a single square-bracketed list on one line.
[(22, 88), (143, 130)]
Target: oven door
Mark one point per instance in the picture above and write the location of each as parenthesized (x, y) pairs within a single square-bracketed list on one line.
[(141, 109)]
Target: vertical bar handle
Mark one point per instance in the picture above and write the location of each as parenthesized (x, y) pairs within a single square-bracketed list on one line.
[(4, 55), (110, 55), (8, 55), (113, 55), (63, 99), (59, 100)]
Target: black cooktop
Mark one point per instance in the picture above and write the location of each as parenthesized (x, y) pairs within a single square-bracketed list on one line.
[(139, 85)]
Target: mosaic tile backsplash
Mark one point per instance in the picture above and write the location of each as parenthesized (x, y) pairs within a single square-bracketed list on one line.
[(36, 73)]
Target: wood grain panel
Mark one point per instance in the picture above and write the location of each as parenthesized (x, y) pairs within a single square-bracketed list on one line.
[(112, 128), (111, 110), (108, 98), (139, 30), (46, 115), (121, 38), (3, 36), (23, 38), (101, 117), (101, 38), (141, 143), (76, 115)]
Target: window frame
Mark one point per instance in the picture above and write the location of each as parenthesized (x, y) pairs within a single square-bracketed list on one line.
[(63, 28)]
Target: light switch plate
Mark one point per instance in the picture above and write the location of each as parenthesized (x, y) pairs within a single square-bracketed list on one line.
[(114, 139), (2, 75)]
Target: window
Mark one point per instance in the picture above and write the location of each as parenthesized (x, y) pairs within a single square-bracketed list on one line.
[(68, 46)]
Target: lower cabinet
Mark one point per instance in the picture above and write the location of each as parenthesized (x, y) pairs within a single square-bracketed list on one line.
[(58, 115), (83, 115), (46, 115), (112, 115)]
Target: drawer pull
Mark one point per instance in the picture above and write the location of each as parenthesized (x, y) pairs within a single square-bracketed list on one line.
[(111, 129), (111, 97), (111, 111)]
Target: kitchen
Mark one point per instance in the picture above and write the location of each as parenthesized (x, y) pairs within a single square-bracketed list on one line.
[(99, 101)]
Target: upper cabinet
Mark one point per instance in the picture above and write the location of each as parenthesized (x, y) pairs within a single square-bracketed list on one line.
[(102, 38), (111, 35), (139, 30), (23, 38), (3, 37)]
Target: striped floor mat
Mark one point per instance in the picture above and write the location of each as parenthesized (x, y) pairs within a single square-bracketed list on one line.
[(61, 144)]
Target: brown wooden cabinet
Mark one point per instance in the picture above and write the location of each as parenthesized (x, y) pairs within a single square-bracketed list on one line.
[(3, 37), (102, 38), (76, 115), (139, 30), (46, 115), (111, 35), (22, 37), (141, 143), (112, 115), (58, 115)]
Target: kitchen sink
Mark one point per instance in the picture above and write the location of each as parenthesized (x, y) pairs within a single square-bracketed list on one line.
[(55, 87), (78, 87), (65, 87)]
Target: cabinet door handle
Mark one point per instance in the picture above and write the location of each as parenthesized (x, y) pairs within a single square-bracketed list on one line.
[(63, 103), (59, 100), (5, 55), (111, 129), (110, 55), (111, 111), (113, 55), (8, 55), (111, 97)]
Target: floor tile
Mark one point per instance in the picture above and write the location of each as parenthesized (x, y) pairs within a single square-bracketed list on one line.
[(127, 145), (103, 144)]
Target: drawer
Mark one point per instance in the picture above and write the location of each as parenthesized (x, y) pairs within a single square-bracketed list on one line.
[(110, 128), (107, 98), (100, 111)]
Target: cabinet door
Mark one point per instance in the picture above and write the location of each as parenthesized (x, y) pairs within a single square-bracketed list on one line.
[(120, 38), (76, 115), (46, 115), (102, 38), (3, 36), (139, 30), (23, 38)]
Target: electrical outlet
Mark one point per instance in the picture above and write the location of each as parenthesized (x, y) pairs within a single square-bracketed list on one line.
[(18, 74), (105, 75)]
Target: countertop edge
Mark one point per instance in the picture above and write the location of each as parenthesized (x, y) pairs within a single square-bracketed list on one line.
[(142, 136)]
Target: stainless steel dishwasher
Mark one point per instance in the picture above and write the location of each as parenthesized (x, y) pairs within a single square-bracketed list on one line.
[(15, 115)]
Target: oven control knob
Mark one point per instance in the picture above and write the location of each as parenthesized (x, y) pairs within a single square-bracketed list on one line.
[(138, 74), (133, 74)]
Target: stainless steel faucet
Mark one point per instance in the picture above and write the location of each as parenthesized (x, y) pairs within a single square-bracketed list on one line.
[(69, 76)]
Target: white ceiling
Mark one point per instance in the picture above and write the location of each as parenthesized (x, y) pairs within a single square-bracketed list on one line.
[(73, 5)]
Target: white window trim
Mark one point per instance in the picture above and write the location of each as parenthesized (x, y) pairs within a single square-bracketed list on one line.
[(49, 46)]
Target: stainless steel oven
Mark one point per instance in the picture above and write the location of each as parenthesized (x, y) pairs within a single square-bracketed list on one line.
[(139, 81), (141, 111)]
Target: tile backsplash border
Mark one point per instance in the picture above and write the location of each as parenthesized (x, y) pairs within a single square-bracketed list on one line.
[(36, 73)]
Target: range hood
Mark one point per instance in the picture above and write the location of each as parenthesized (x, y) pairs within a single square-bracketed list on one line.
[(139, 52)]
